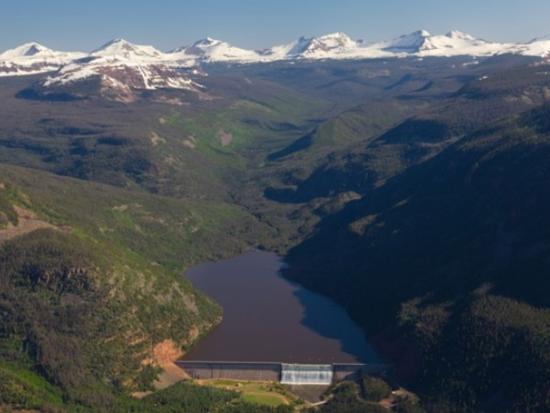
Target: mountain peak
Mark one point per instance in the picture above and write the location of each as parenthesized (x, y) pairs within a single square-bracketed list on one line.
[(457, 34), (214, 50), (207, 42), (118, 43), (335, 35), (26, 50), (334, 41), (118, 40), (411, 42), (325, 46), (33, 48), (32, 58), (122, 48)]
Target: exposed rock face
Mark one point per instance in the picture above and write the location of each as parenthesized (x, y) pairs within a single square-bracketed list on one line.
[(166, 352)]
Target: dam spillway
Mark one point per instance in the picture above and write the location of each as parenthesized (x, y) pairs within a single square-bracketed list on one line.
[(301, 374), (291, 374)]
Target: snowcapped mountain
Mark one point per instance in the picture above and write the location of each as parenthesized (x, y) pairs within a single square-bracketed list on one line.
[(423, 43), (537, 47), (340, 46), (120, 68), (33, 58), (332, 45), (211, 50), (124, 66), (28, 50), (408, 43), (123, 49)]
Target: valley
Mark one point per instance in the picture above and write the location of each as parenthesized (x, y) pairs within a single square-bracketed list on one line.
[(406, 193)]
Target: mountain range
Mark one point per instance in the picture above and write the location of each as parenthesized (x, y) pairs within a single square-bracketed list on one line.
[(119, 68), (33, 58), (407, 180)]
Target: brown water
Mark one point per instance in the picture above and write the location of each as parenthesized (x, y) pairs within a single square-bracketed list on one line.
[(267, 318)]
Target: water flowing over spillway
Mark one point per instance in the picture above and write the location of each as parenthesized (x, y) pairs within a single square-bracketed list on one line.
[(320, 374)]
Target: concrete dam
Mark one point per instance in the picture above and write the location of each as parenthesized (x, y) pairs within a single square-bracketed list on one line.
[(285, 373), (294, 374)]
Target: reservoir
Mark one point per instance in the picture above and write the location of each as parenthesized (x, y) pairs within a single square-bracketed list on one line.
[(268, 318)]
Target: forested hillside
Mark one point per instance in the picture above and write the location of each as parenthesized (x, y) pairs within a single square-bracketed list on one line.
[(412, 191), (446, 261)]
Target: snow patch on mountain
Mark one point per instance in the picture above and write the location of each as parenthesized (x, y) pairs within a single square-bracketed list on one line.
[(455, 43), (212, 50), (330, 46), (537, 47), (123, 49), (33, 58), (121, 67), (408, 43)]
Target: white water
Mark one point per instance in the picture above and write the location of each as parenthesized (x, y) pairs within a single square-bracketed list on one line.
[(306, 374)]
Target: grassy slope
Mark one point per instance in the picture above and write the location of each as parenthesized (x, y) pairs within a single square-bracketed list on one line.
[(324, 168), (267, 394), (100, 294), (146, 144)]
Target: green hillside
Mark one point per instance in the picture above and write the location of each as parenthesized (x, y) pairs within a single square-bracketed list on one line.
[(445, 263), (86, 298), (413, 192)]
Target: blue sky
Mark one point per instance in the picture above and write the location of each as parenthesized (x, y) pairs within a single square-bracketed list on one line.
[(166, 24)]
